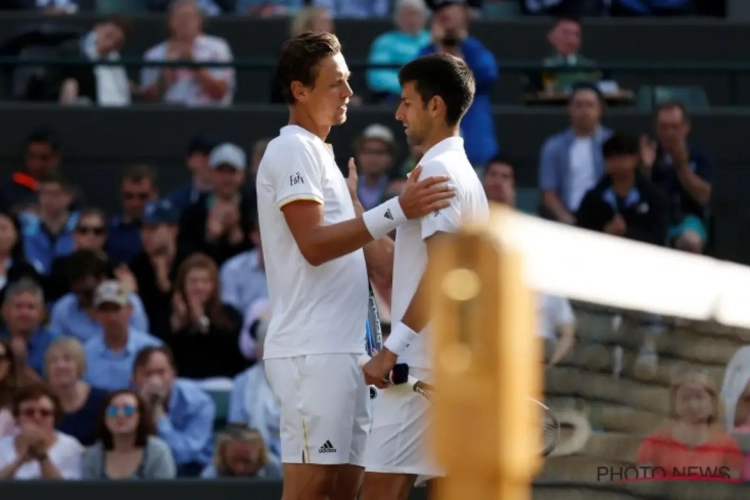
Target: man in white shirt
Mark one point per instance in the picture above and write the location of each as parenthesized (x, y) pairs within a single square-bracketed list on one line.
[(437, 91), (313, 233)]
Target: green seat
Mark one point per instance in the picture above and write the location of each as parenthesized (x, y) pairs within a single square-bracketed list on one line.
[(221, 400), (691, 96), (527, 200), (501, 9)]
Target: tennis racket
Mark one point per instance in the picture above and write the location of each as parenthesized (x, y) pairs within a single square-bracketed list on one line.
[(400, 376), (550, 427), (373, 333)]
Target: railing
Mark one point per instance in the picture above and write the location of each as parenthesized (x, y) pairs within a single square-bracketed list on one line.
[(733, 70)]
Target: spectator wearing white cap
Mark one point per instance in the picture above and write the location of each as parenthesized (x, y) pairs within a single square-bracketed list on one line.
[(219, 223), (110, 355), (375, 152)]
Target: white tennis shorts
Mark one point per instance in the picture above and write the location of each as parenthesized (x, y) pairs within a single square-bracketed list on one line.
[(325, 408), (398, 442)]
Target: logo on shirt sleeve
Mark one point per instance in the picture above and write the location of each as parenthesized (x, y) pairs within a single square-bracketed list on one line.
[(388, 215), (436, 213), (296, 179)]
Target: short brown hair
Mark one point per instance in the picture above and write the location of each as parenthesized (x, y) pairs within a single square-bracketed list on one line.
[(145, 427), (300, 57), (144, 356), (140, 172), (33, 392), (123, 23), (669, 105)]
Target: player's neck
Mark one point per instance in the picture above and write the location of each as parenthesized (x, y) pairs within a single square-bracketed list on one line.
[(301, 119), (439, 135)]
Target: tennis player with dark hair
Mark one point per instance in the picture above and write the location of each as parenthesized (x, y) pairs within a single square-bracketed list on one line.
[(437, 91), (313, 232)]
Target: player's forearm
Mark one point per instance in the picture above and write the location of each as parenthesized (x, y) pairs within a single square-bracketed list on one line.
[(327, 242), (379, 259)]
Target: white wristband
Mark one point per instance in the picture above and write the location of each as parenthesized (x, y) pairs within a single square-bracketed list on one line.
[(400, 338), (384, 218)]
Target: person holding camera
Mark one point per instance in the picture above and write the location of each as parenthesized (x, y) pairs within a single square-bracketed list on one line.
[(450, 34)]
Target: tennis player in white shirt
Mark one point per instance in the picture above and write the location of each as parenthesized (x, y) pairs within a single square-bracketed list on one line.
[(437, 91), (313, 231)]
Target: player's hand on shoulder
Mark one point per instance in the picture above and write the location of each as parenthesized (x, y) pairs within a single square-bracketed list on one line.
[(422, 197)]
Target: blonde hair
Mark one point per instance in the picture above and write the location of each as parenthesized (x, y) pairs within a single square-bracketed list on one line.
[(237, 433), (70, 346), (692, 376), (302, 21)]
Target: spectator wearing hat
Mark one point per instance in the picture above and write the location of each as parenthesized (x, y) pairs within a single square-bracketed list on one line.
[(138, 187), (397, 47), (155, 267), (376, 154), (201, 181), (450, 34), (218, 225), (74, 314), (571, 162), (110, 355)]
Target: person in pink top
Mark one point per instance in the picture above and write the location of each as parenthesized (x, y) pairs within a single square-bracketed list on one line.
[(694, 441)]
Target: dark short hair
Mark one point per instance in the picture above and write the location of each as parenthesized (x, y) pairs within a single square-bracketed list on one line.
[(145, 427), (86, 262), (300, 57), (32, 392), (667, 105), (583, 86), (139, 173), (620, 145), (144, 356), (121, 22), (444, 76), (43, 135), (57, 178), (499, 159)]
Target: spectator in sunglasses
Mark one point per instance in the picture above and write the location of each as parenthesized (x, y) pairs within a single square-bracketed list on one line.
[(138, 187), (38, 451), (90, 233), (127, 446)]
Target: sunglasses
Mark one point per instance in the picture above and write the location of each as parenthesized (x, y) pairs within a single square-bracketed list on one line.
[(32, 412), (135, 196), (96, 230), (126, 411)]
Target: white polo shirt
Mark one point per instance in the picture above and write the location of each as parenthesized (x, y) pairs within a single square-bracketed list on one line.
[(410, 254), (315, 310)]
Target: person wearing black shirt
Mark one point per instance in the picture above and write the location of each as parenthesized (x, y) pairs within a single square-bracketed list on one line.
[(685, 175), (155, 267), (219, 223), (624, 203)]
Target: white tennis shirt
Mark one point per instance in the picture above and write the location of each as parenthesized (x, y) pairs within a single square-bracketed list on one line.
[(315, 310), (410, 254)]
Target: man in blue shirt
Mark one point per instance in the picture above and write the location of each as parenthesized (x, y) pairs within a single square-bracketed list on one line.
[(138, 187), (183, 413), (50, 234), (110, 356), (73, 315), (450, 34), (23, 312), (243, 277), (684, 173)]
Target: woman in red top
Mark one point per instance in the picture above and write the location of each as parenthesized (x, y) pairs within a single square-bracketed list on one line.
[(694, 442)]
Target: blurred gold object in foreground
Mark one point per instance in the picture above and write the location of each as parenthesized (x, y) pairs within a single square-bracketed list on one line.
[(487, 363)]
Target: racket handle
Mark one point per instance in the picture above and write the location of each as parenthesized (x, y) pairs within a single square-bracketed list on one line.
[(398, 376)]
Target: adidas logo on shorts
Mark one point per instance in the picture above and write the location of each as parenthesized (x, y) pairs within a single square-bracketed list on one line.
[(327, 448), (388, 214)]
